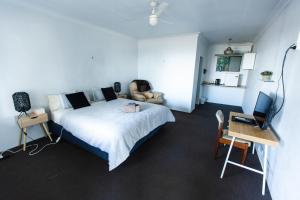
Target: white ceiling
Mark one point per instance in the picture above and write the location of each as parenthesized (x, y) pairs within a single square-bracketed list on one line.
[(218, 20)]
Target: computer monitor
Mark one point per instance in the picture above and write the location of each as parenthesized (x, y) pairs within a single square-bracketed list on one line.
[(262, 109)]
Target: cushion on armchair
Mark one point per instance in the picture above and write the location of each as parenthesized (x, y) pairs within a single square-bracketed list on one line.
[(157, 95), (138, 97), (148, 95)]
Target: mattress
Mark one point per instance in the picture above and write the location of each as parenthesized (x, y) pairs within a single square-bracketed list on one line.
[(105, 126)]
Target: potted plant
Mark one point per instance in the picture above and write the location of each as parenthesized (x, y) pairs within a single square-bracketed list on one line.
[(266, 75)]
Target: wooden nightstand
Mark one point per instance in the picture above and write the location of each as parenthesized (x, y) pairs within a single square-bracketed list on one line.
[(28, 121), (123, 96)]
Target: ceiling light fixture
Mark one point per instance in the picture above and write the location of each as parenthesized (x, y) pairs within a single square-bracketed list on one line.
[(153, 20), (157, 8), (229, 50)]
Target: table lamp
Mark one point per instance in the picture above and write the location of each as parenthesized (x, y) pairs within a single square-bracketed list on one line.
[(21, 102), (117, 87)]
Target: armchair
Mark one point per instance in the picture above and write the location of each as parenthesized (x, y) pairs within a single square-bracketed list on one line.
[(146, 96)]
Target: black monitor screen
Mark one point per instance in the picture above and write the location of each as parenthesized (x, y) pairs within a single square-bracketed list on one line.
[(262, 109)]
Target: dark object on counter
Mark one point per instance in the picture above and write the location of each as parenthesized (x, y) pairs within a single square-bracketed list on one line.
[(218, 81)]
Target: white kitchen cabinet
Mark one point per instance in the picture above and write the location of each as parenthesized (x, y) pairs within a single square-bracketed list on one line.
[(248, 61)]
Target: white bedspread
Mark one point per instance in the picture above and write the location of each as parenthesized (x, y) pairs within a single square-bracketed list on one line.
[(104, 125)]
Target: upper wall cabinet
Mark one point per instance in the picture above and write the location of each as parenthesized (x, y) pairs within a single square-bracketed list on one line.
[(248, 61)]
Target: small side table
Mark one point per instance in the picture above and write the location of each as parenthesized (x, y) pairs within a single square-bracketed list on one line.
[(28, 121), (123, 96)]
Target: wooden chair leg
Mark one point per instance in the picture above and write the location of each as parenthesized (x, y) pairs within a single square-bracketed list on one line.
[(245, 151)]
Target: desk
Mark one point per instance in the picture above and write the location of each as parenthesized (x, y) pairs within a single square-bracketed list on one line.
[(253, 134)]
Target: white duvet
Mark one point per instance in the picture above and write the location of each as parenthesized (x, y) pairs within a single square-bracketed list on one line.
[(104, 125)]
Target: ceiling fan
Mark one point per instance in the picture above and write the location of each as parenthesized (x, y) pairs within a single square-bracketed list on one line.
[(157, 9)]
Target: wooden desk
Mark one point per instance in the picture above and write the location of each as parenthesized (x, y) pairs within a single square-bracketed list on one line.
[(253, 134)]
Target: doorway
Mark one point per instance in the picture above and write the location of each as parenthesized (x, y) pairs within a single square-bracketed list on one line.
[(198, 93)]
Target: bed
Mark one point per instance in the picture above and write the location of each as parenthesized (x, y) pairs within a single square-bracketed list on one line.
[(104, 129)]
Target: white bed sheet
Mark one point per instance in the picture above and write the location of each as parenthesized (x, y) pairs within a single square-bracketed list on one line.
[(57, 114), (104, 125)]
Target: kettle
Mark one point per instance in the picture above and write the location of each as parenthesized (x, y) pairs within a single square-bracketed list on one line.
[(217, 81)]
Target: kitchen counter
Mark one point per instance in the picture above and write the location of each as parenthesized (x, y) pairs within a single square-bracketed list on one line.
[(222, 85), (222, 94)]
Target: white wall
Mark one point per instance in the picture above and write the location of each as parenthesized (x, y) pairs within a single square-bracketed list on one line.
[(43, 54), (168, 63), (202, 51), (284, 161)]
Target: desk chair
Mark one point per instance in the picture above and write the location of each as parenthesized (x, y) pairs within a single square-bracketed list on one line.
[(224, 138)]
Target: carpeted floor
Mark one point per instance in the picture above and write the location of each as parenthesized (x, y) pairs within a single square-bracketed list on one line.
[(175, 164)]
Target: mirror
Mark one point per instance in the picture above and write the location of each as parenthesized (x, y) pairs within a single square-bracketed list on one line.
[(226, 63)]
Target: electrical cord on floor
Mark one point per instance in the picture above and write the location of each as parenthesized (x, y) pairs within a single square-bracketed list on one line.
[(33, 151), (293, 46)]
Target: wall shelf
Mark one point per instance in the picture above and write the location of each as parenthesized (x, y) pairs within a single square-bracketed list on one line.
[(229, 55), (270, 81), (222, 85)]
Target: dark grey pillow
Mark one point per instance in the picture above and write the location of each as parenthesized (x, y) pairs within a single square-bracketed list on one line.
[(78, 100), (109, 93)]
